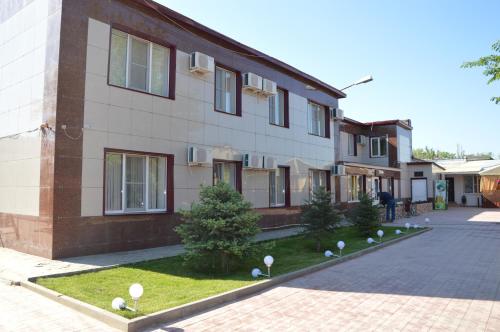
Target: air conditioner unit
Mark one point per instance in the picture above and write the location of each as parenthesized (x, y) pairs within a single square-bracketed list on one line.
[(379, 172), (269, 88), (338, 170), (252, 82), (361, 139), (198, 156), (252, 160), (270, 163), (336, 114), (201, 63)]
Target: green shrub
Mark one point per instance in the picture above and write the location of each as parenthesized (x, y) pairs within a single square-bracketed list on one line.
[(365, 216), (218, 231), (319, 216)]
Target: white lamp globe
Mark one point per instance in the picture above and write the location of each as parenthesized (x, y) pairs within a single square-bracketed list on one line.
[(427, 220), (407, 225), (328, 253), (268, 260), (415, 226), (340, 245), (370, 240), (398, 232), (135, 291), (380, 233), (256, 272), (118, 303)]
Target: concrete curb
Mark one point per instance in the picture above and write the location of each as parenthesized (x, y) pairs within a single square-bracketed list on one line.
[(189, 309)]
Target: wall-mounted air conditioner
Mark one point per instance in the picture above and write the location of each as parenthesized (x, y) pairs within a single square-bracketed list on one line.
[(379, 172), (198, 156), (338, 170), (252, 82), (361, 139), (336, 114), (252, 160), (270, 163), (201, 63), (269, 88)]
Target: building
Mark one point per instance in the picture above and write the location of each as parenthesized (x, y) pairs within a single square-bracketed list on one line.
[(373, 156), (102, 101), (472, 182)]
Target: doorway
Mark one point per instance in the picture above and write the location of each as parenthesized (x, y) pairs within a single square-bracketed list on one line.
[(450, 189)]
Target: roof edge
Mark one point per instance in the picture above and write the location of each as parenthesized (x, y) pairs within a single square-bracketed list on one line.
[(231, 44)]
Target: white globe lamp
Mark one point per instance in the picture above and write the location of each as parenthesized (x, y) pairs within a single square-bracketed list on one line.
[(328, 253), (407, 225), (256, 272), (268, 260), (135, 292), (118, 303), (397, 232), (370, 240), (380, 233)]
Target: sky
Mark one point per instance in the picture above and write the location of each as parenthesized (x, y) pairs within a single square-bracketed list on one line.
[(413, 49)]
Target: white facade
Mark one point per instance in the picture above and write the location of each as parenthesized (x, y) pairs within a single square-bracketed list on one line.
[(22, 82), (124, 119)]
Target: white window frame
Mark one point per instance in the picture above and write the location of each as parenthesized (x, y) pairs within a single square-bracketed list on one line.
[(276, 191), (378, 139), (125, 210), (475, 184), (149, 65), (313, 107), (350, 194)]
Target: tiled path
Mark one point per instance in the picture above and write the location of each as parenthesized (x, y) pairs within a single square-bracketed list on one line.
[(444, 280)]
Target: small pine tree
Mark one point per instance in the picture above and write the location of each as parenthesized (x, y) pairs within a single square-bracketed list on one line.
[(365, 216), (319, 216), (218, 231)]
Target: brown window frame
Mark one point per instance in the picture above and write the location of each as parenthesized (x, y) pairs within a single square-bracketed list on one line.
[(172, 59), (239, 88), (327, 119), (286, 110)]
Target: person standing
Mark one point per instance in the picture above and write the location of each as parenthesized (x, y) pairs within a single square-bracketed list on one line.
[(387, 200)]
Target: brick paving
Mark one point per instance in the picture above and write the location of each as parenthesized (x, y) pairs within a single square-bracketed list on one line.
[(444, 280), (447, 279)]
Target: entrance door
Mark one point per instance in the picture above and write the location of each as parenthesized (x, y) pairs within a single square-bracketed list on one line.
[(451, 189)]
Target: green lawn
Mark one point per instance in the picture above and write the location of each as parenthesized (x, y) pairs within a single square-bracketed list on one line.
[(167, 283)]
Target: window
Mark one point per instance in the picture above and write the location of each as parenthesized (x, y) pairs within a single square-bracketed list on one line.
[(138, 64), (277, 187), (351, 145), (375, 190), (378, 146), (354, 187), (471, 184), (225, 172), (135, 183), (278, 109), (317, 179), (316, 119), (225, 90), (418, 174)]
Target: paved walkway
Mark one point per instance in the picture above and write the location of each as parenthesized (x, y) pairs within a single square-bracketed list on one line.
[(16, 266), (447, 279)]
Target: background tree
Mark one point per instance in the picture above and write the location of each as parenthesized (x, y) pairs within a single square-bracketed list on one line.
[(319, 216), (491, 64), (430, 153), (218, 231), (365, 216)]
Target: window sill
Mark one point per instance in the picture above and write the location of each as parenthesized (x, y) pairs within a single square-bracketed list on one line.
[(318, 136), (280, 126), (233, 114), (138, 213), (140, 91), (278, 206), (385, 156)]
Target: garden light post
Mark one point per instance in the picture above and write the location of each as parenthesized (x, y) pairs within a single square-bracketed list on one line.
[(340, 245), (135, 292), (256, 272), (380, 233), (370, 240), (407, 225)]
